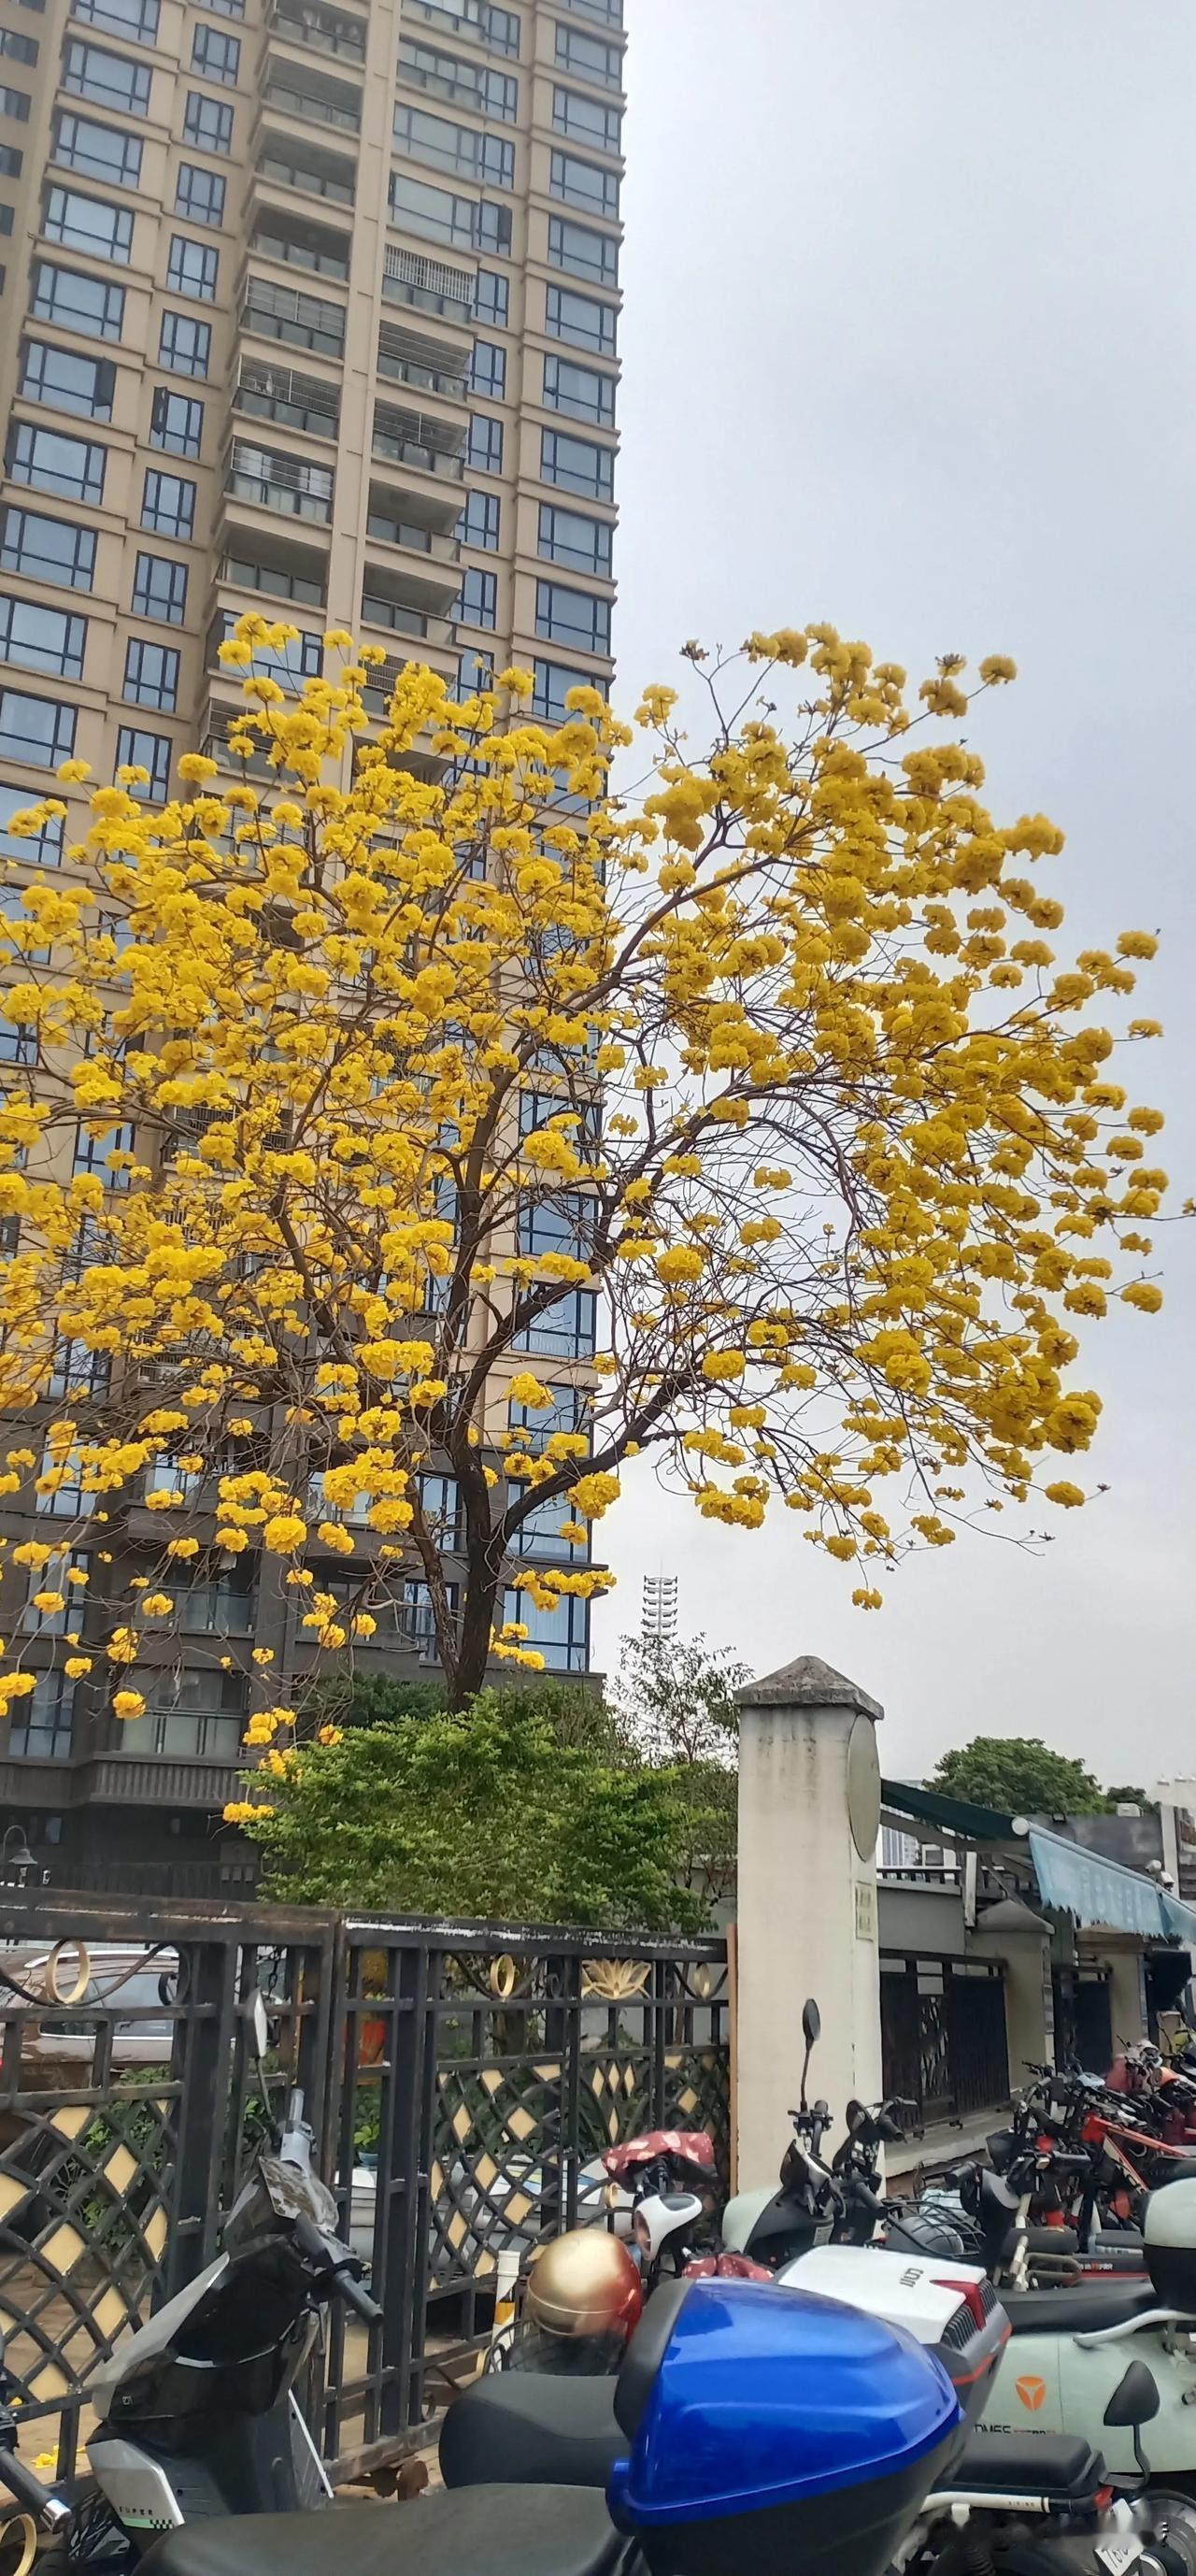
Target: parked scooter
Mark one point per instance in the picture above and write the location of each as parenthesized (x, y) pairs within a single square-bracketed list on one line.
[(198, 2413), (774, 2227)]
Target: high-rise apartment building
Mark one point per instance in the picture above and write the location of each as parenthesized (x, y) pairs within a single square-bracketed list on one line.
[(312, 306)]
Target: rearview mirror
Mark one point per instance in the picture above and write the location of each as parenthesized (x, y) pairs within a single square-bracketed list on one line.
[(259, 2025), (811, 2021), (1135, 2400)]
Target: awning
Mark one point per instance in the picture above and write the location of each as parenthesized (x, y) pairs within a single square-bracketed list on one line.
[(951, 1815), (1093, 1890)]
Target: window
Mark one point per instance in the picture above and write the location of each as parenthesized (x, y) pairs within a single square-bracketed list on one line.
[(52, 462), (40, 1731), (199, 194), (561, 1635), (136, 19), (150, 751), (208, 122), (7, 219), (478, 603), (584, 184), (610, 11), (568, 537), (578, 464), (14, 103), (160, 589), (176, 421), (586, 120), (478, 524), (88, 224), (484, 452), (499, 29), (92, 1151), (185, 344), (224, 1607), (151, 675), (582, 391), (439, 215), (583, 253), (197, 1712), (76, 302), (47, 549), (553, 682), (286, 313), (491, 298), (540, 1533), (474, 671), (191, 268), (44, 639), (54, 1577), (110, 80), (12, 161), (224, 8), (488, 370), (216, 55), (16, 47), (168, 504), (573, 617), (278, 481), (42, 848), (460, 149), (66, 381), (41, 730), (474, 85), (580, 319), (102, 151)]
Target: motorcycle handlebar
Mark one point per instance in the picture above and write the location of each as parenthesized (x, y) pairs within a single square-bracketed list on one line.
[(357, 2297), (26, 2486)]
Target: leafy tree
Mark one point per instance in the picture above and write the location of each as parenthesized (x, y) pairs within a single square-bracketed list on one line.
[(482, 1813), (398, 1052), (675, 1698), (1123, 1797), (1020, 1775)]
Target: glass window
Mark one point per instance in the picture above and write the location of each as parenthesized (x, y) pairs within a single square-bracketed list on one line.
[(44, 639), (561, 1635), (192, 268), (610, 11), (76, 302), (42, 848), (41, 730), (475, 671), (137, 19), (40, 1730), (475, 85), (185, 344), (208, 122), (478, 524), (217, 55), (160, 588), (47, 549), (148, 751), (568, 537), (168, 504), (89, 224), (17, 48), (501, 28), (52, 462), (224, 8), (460, 149), (575, 617), (151, 675), (582, 391), (176, 421), (484, 452), (578, 464), (12, 160), (491, 298), (488, 370), (224, 1607), (580, 319), (584, 184), (478, 603), (199, 194), (437, 214), (92, 1151), (587, 120), (54, 1577), (110, 80), (583, 253), (103, 151), (67, 381), (7, 219), (14, 103), (553, 681)]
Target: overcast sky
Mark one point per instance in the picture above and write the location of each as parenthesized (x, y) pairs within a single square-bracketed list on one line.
[(910, 343)]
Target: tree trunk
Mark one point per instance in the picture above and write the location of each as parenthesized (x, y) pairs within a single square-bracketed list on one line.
[(477, 1620)]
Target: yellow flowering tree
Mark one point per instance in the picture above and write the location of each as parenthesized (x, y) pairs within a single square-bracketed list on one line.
[(412, 1046)]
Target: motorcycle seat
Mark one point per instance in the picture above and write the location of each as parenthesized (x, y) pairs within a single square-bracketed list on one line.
[(522, 2427), (1083, 2308), (479, 2531), (1061, 2465)]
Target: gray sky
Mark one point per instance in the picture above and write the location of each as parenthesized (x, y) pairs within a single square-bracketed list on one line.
[(910, 343)]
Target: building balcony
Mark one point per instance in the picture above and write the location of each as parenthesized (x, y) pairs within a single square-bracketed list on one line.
[(120, 1780), (431, 286), (392, 605), (267, 478), (431, 453), (410, 357), (274, 311), (286, 167), (293, 243), (433, 575), (285, 576), (312, 27), (292, 400), (300, 97)]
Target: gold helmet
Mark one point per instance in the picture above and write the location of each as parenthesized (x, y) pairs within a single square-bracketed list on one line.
[(585, 2283)]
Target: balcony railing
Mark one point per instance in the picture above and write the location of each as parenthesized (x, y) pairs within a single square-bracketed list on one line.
[(314, 106), (402, 619), (430, 285), (415, 438), (273, 482), (314, 179), (321, 259), (406, 359), (321, 31), (294, 401), (272, 581), (423, 541), (286, 313)]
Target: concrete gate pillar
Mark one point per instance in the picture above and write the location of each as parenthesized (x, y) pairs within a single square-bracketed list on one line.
[(809, 1817)]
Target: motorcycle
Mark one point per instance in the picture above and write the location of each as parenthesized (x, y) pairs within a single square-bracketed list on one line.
[(198, 2416), (774, 2227)]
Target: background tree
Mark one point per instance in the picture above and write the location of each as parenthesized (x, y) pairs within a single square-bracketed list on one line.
[(675, 1701), (386, 1080), (1020, 1775)]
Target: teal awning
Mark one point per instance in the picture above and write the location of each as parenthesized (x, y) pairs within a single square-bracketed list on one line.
[(951, 1815), (1094, 1890)]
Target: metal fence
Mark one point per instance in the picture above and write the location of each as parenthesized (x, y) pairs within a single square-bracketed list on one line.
[(943, 2035), (462, 2080)]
